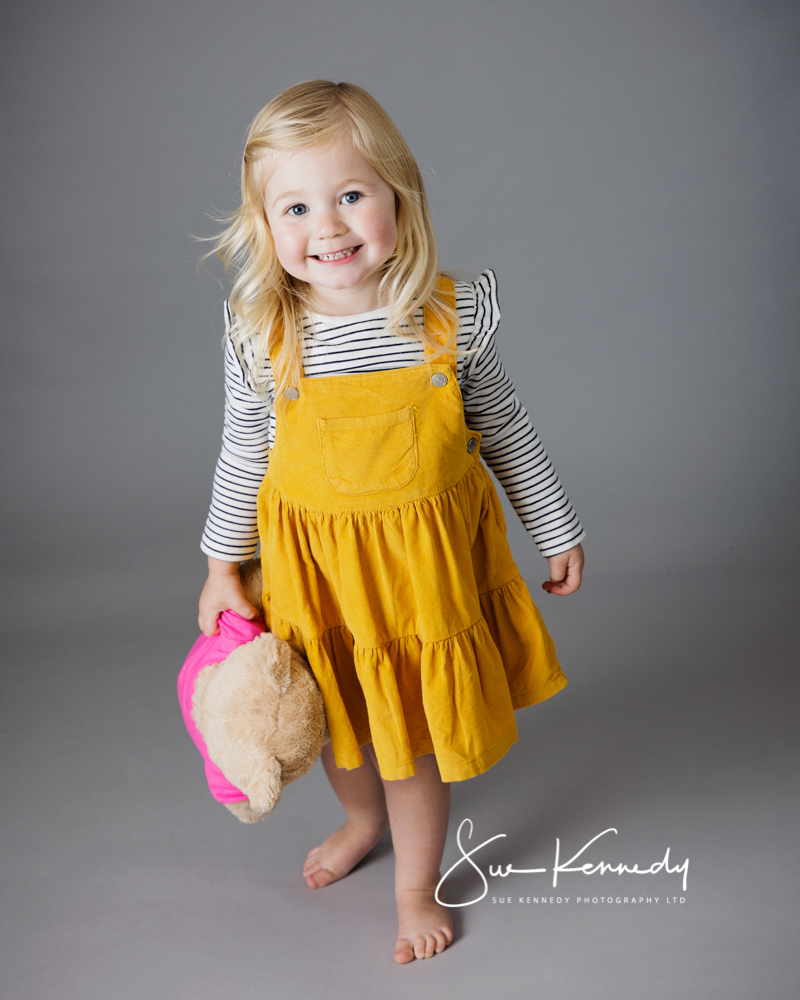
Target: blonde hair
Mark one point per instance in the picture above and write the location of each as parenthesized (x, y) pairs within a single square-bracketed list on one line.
[(267, 303)]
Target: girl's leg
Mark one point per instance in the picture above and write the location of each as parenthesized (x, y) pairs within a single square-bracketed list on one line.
[(419, 809), (361, 793)]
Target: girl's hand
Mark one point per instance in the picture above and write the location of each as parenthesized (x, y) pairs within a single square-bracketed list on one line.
[(222, 592), (565, 572)]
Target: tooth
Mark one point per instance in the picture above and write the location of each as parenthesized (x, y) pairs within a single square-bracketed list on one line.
[(338, 255)]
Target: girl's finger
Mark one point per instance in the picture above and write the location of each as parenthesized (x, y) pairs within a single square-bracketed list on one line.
[(246, 610), (209, 624)]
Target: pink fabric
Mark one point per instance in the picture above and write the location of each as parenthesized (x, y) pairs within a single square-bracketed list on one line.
[(233, 631)]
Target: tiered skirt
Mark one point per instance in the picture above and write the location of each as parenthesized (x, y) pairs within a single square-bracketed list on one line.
[(415, 621)]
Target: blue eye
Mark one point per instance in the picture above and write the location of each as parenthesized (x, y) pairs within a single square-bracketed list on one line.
[(351, 197), (297, 209)]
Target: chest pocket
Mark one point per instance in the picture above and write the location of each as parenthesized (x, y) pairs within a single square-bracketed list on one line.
[(369, 454)]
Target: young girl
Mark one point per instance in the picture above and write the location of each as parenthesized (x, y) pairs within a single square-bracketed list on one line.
[(362, 388)]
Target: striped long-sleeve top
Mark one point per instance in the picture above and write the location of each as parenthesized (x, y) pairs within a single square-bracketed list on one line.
[(345, 345)]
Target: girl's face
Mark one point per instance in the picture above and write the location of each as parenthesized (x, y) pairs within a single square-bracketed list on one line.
[(333, 220)]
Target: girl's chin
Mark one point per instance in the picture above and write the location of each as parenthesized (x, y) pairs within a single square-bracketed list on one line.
[(341, 298)]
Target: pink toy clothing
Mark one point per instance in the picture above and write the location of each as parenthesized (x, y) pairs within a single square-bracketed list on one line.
[(234, 631)]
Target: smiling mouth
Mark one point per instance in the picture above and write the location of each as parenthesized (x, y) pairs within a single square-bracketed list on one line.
[(339, 255)]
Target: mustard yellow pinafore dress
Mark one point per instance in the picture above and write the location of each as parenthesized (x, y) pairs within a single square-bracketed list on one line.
[(386, 565)]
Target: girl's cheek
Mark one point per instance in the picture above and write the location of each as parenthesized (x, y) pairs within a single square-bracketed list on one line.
[(290, 252), (382, 232)]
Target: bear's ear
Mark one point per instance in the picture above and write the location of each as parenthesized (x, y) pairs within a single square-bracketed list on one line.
[(264, 788), (252, 583), (277, 659)]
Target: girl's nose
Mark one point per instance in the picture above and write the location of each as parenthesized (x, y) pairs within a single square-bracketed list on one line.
[(329, 225)]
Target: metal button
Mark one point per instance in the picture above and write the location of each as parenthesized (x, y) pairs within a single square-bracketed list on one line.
[(472, 444), (439, 379), (291, 393)]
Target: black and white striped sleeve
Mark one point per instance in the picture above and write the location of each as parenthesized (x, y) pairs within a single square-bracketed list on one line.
[(231, 532), (509, 442)]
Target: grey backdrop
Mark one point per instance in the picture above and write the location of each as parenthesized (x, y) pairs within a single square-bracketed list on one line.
[(629, 169)]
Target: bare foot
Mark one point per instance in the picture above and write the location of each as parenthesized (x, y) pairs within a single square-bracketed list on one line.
[(340, 853), (425, 927)]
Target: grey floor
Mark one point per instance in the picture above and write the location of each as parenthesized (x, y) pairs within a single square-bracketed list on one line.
[(126, 880)]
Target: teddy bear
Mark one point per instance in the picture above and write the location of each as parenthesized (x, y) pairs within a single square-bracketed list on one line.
[(253, 709)]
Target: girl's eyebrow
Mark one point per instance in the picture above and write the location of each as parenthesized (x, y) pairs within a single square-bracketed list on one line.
[(286, 194)]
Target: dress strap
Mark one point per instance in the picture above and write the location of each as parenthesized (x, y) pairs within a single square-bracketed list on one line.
[(443, 332), (277, 342)]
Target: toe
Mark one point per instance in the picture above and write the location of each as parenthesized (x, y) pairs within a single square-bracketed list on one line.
[(420, 946), (321, 877), (403, 951)]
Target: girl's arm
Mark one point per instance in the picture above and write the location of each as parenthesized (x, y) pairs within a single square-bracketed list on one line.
[(231, 533), (512, 449), (222, 592)]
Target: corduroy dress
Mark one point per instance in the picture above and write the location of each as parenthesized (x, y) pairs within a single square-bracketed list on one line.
[(386, 564)]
